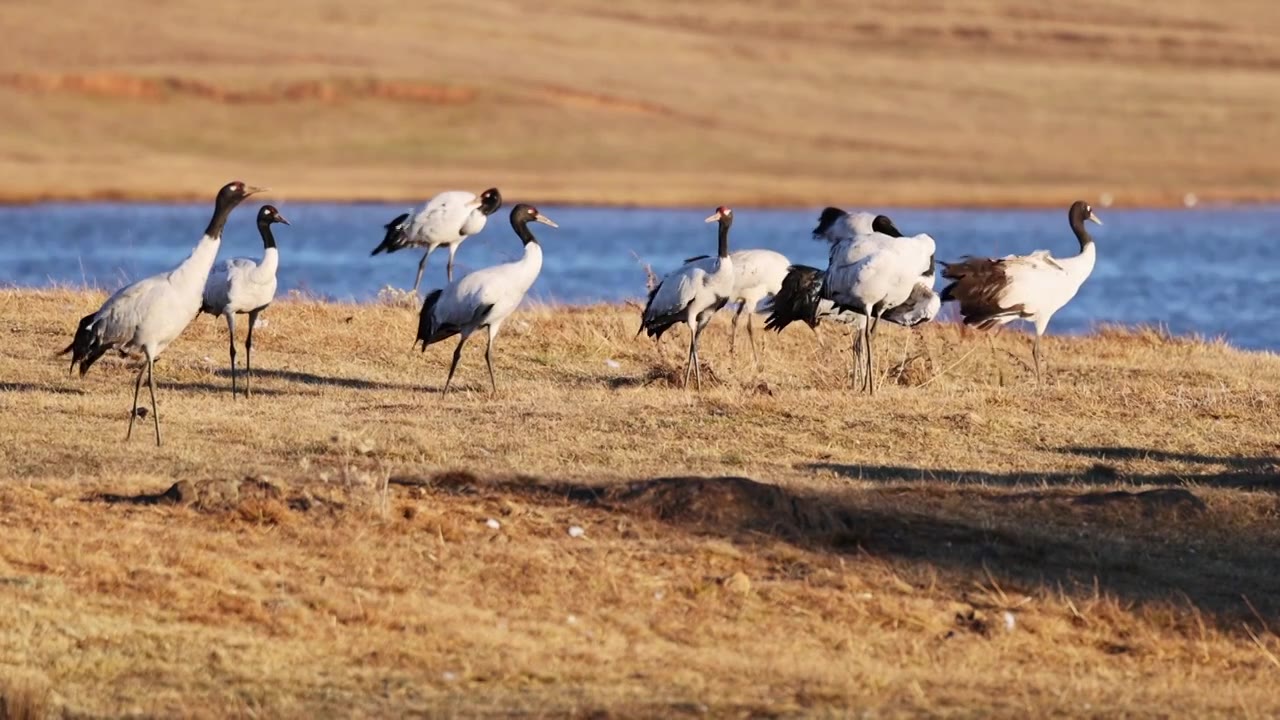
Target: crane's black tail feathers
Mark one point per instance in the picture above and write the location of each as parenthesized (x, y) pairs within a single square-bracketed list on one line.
[(425, 321), (797, 299), (644, 316), (86, 348), (395, 238)]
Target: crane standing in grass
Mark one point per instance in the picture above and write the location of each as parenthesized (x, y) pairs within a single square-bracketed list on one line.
[(484, 298), (877, 274), (692, 294), (243, 285), (993, 292), (448, 219), (150, 314), (811, 295)]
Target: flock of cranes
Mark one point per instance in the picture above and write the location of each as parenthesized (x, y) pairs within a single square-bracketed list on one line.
[(874, 273)]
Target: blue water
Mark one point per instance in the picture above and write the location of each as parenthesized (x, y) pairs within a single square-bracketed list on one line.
[(1208, 271)]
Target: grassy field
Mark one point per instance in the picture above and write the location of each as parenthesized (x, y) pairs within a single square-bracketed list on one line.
[(653, 102), (351, 543)]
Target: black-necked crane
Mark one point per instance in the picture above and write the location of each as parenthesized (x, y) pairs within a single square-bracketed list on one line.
[(242, 286), (448, 219), (484, 298), (150, 314), (757, 276), (993, 292), (691, 294), (811, 295)]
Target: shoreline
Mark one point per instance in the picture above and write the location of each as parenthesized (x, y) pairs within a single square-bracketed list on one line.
[(1151, 201), (535, 305)]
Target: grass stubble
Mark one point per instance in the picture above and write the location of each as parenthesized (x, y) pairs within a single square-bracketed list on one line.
[(349, 542)]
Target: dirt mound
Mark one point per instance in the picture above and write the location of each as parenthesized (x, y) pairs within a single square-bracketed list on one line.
[(255, 498), (728, 504)]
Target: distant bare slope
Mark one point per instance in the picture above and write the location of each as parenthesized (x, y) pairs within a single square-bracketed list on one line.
[(909, 101)]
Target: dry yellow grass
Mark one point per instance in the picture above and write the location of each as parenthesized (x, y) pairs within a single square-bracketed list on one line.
[(954, 546), (654, 102)]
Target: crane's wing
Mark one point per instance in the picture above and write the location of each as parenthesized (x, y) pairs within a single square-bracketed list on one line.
[(443, 219)]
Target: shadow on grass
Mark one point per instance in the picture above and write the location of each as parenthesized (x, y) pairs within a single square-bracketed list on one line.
[(306, 378), (18, 387), (1158, 547), (1258, 473)]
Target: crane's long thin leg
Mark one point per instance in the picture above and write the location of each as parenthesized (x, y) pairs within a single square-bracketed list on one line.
[(693, 339), (422, 266), (733, 330), (248, 352), (697, 364), (449, 269), (137, 387), (457, 355), (751, 338), (857, 357), (1035, 355), (871, 355), (866, 353), (488, 359), (151, 382), (231, 331)]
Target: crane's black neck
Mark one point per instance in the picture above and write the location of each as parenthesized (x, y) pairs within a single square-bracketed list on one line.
[(725, 222), (521, 226), (221, 211), (264, 229), (1077, 227)]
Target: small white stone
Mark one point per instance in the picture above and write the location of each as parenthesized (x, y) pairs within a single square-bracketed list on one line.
[(572, 619), (493, 524), (449, 676), (576, 532), (613, 363), (1010, 622)]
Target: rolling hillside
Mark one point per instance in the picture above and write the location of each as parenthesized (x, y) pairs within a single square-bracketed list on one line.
[(799, 103)]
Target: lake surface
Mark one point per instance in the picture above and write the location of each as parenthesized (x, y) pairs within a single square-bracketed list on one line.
[(1209, 271)]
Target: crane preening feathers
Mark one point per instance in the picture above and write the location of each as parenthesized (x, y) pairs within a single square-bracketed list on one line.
[(873, 273), (448, 219), (151, 313), (993, 292)]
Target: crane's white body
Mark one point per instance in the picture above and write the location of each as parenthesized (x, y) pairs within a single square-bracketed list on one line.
[(694, 290), (876, 273), (488, 296), (1038, 285), (757, 275), (448, 219), (151, 313), (242, 285)]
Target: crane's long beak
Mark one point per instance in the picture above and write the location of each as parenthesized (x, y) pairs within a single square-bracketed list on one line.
[(1094, 218), (280, 218), (250, 190), (544, 220), (716, 216)]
